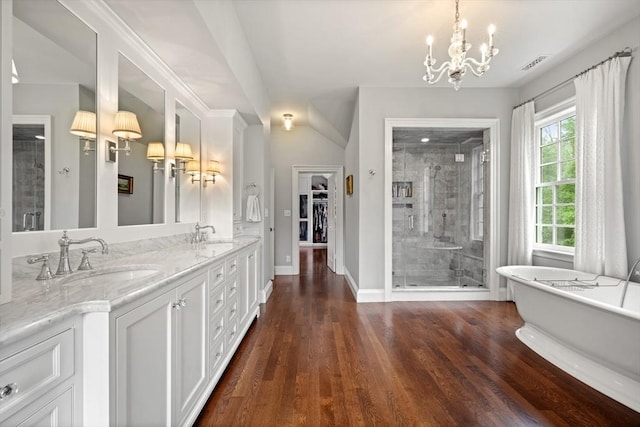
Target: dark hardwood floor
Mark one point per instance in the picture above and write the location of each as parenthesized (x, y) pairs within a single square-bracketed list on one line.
[(315, 357)]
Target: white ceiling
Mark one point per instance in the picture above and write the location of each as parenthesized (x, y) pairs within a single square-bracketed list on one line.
[(318, 52)]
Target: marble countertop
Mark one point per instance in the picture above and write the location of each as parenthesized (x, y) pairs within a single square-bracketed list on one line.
[(142, 267)]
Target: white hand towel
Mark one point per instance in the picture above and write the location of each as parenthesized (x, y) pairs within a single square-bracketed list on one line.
[(253, 209)]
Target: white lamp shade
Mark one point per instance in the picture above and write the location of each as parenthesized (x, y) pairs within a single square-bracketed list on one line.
[(155, 151), (193, 167), (183, 151), (84, 124), (214, 167), (127, 126)]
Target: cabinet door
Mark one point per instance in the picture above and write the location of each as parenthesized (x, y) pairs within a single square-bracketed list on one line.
[(243, 290), (191, 349), (253, 263), (143, 364)]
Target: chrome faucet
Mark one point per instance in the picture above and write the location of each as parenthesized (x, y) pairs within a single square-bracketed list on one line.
[(199, 236), (63, 265)]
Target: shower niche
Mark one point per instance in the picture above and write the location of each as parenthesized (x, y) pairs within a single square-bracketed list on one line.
[(438, 208)]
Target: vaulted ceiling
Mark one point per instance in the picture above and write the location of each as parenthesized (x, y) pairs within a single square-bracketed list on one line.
[(310, 56)]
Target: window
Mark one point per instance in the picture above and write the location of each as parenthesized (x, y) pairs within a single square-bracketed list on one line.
[(555, 201), (477, 193)]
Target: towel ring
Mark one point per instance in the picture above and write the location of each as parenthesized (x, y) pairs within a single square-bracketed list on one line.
[(252, 189)]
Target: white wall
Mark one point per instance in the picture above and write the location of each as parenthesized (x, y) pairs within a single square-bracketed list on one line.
[(625, 35), (376, 104), (302, 146), (352, 202)]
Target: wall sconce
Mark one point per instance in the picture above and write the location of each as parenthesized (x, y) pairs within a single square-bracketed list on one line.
[(127, 128), (213, 169), (287, 121), (155, 153), (84, 126), (182, 155), (193, 169)]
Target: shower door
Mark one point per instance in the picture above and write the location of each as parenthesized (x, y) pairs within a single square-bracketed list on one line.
[(438, 209)]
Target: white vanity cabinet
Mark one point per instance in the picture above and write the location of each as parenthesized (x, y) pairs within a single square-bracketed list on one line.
[(40, 379), (159, 356)]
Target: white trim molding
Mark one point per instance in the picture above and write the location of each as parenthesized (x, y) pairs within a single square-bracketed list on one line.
[(265, 293), (284, 270)]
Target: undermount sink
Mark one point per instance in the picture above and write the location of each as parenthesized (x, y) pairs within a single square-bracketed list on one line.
[(119, 274)]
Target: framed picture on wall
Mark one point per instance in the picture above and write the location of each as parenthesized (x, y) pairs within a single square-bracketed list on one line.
[(350, 185), (125, 184)]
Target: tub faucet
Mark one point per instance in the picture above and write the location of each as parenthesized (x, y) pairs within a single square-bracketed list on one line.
[(199, 236), (632, 272), (63, 265)]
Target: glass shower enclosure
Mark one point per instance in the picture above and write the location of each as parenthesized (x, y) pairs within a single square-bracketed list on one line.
[(439, 209)]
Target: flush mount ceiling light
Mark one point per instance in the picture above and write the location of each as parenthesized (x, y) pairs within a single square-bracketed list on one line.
[(458, 65), (287, 121), (424, 140)]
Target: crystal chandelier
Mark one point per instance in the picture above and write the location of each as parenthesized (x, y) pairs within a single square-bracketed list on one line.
[(459, 63)]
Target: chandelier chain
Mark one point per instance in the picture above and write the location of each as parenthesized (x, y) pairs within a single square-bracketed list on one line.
[(457, 12)]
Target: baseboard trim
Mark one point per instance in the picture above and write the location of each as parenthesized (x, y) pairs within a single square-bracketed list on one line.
[(352, 283), (370, 295), (284, 270), (266, 292), (363, 295)]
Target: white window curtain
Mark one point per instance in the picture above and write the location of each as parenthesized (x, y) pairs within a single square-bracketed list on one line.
[(600, 231), (521, 222)]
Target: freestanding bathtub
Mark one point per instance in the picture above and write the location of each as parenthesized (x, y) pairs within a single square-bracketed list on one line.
[(574, 320)]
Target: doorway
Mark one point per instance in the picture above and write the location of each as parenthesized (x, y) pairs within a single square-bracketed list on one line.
[(327, 204)]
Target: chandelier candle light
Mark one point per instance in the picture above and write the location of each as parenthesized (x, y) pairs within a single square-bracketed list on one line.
[(459, 63)]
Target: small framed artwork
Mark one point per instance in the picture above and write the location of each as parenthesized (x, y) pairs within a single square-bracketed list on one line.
[(350, 185), (125, 184)]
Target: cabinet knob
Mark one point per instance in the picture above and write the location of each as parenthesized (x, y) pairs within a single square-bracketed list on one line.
[(218, 328), (8, 390), (182, 302), (219, 275), (218, 354), (176, 305), (219, 302)]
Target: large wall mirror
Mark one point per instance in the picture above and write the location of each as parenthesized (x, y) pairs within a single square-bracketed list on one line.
[(54, 89), (140, 169), (188, 159)]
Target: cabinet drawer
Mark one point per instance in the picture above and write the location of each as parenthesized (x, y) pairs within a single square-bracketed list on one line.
[(232, 288), (232, 310), (232, 265), (216, 326), (37, 369), (216, 301), (216, 355), (57, 412), (232, 333), (216, 276)]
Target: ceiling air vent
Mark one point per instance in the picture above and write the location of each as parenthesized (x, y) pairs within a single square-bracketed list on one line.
[(535, 62)]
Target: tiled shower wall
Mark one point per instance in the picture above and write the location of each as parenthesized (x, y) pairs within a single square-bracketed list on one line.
[(435, 192), (28, 182)]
